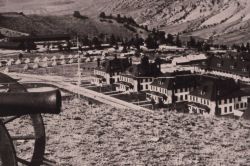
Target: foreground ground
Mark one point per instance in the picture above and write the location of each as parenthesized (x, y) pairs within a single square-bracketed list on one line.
[(101, 135)]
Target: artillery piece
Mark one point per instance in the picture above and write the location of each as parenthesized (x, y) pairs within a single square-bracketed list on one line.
[(22, 131)]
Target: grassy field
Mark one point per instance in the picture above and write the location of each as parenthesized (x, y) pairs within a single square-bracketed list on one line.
[(102, 135)]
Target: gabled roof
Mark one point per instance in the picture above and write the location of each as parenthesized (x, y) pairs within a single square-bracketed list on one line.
[(236, 66), (115, 65), (139, 70), (177, 82), (213, 88)]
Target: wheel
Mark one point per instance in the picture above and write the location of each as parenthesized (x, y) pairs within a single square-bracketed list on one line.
[(7, 151), (27, 132), (28, 137)]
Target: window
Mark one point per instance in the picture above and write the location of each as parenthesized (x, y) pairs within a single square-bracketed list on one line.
[(225, 101), (181, 97), (219, 110), (201, 101), (225, 109), (146, 86), (239, 98), (230, 109), (219, 102), (207, 102), (230, 100), (241, 105), (237, 106), (245, 104), (186, 97)]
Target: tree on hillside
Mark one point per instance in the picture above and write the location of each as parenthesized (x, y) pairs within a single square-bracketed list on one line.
[(101, 36), (77, 14), (85, 41), (242, 48), (96, 42), (112, 40), (102, 15), (191, 43), (178, 41), (138, 41), (170, 39), (248, 47), (151, 43)]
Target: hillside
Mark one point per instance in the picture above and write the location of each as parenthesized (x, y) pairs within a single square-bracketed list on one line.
[(226, 21), (41, 24)]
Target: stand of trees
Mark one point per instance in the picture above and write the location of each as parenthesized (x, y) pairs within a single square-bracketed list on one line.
[(127, 21), (77, 14)]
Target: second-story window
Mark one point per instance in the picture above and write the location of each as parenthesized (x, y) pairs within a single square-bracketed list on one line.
[(239, 98), (244, 69)]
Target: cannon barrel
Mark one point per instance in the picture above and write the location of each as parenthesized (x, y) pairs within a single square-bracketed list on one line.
[(22, 103)]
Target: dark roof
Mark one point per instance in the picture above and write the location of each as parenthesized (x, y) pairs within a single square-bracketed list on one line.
[(213, 88), (148, 70), (41, 38), (115, 65), (236, 66), (176, 73), (184, 81)]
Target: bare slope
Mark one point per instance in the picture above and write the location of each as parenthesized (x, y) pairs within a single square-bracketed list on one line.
[(36, 24), (220, 19)]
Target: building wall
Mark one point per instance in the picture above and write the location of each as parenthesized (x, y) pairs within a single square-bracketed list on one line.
[(164, 91), (107, 76), (182, 94), (226, 106), (230, 106), (144, 83), (210, 104)]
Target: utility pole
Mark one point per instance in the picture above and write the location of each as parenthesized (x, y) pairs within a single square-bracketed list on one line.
[(78, 66)]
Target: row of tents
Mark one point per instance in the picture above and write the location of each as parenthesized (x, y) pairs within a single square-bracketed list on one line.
[(54, 60)]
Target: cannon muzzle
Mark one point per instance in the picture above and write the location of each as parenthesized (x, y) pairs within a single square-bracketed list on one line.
[(22, 103)]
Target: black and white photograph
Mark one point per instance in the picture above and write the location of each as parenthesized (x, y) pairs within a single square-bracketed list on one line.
[(124, 82)]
